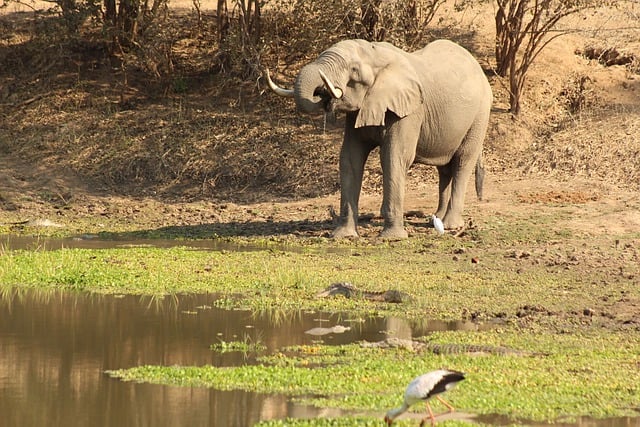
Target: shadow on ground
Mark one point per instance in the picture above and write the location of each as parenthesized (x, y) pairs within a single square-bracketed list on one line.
[(368, 226), (230, 229)]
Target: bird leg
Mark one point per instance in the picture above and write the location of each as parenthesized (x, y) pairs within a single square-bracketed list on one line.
[(433, 419), (445, 403)]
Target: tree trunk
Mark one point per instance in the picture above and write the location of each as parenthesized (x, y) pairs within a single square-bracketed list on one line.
[(369, 16), (128, 15), (222, 19), (515, 88), (501, 43), (110, 15)]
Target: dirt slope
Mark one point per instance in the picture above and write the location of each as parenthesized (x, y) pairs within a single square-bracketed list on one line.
[(77, 139)]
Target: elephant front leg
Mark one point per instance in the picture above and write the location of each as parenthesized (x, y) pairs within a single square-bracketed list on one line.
[(392, 209), (397, 154), (353, 157)]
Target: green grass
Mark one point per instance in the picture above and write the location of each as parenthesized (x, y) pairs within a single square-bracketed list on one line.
[(443, 285), (594, 374), (278, 280)]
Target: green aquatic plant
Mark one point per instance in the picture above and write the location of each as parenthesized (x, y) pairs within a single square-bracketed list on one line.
[(593, 374), (246, 345)]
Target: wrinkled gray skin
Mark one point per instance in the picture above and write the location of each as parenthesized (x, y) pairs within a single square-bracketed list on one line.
[(430, 106)]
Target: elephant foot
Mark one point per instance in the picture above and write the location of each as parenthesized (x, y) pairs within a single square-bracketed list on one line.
[(343, 232), (396, 232), (453, 222)]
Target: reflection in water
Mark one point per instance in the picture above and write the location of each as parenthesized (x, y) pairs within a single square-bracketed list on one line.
[(17, 242), (93, 241), (56, 346)]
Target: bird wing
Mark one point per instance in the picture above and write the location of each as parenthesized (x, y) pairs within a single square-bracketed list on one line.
[(446, 381), (428, 385)]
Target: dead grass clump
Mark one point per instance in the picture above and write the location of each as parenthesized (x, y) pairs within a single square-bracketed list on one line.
[(184, 151), (604, 146), (577, 93), (608, 56)]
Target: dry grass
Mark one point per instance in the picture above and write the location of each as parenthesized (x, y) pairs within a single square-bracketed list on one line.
[(194, 134), (605, 146)]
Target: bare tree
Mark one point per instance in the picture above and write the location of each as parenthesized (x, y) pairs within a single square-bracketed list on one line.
[(523, 29), (239, 35), (370, 15), (126, 20), (222, 18), (406, 20), (250, 21)]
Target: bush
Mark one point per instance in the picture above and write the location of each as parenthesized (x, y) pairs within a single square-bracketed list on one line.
[(312, 25)]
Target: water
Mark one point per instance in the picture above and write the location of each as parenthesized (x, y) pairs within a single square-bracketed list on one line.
[(92, 241), (17, 242), (55, 347)]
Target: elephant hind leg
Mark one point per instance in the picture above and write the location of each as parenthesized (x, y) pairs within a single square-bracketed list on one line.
[(479, 176), (467, 158), (458, 177), (444, 190)]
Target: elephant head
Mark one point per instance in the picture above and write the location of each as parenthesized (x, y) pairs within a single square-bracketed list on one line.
[(356, 75)]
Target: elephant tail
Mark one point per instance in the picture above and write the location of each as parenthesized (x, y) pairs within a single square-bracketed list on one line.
[(479, 176)]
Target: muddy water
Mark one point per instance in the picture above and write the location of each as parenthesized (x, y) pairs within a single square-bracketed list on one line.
[(55, 347), (90, 241)]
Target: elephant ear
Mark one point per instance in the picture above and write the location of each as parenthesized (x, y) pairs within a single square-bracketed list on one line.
[(397, 89)]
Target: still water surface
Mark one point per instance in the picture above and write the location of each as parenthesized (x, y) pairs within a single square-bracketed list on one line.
[(92, 241), (55, 347)]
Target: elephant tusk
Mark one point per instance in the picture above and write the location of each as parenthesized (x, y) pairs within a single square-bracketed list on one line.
[(288, 93), (334, 91)]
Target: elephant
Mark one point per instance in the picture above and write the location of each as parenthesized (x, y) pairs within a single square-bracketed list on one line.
[(430, 106)]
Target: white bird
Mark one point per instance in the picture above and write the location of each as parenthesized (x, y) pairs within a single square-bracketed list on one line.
[(423, 388), (437, 224)]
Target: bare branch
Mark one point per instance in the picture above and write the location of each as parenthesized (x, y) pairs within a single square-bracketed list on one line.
[(523, 29)]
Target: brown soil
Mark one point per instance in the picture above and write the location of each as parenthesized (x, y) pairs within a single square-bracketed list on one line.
[(83, 144)]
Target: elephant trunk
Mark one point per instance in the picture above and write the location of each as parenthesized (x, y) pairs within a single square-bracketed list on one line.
[(307, 82)]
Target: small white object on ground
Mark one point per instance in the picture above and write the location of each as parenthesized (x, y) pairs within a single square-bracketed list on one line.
[(437, 224)]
